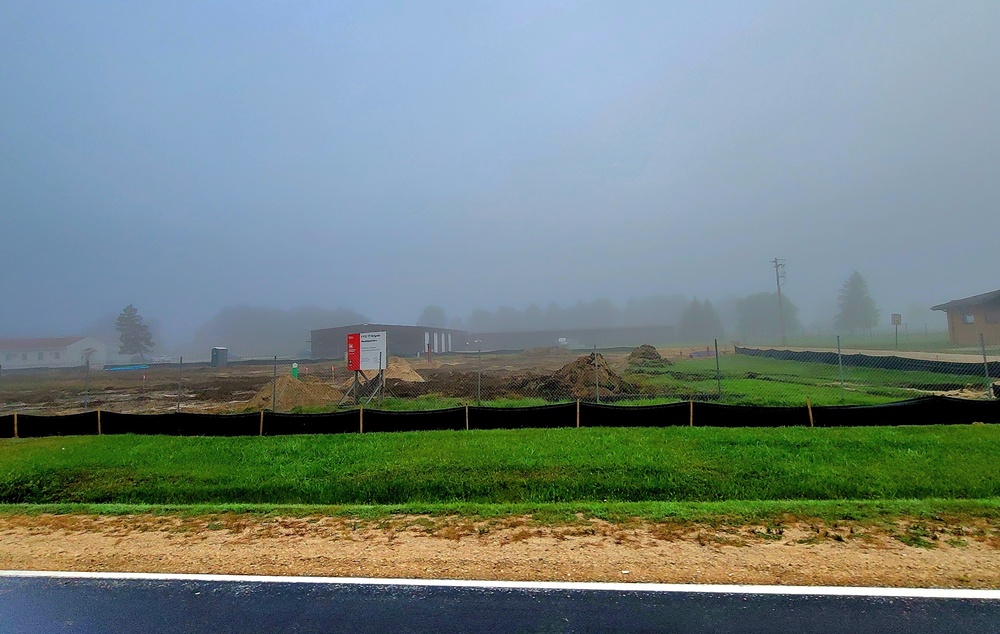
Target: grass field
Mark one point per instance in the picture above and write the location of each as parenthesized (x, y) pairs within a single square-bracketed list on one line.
[(516, 467), (749, 380)]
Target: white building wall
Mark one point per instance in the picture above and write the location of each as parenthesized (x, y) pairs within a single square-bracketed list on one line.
[(71, 356)]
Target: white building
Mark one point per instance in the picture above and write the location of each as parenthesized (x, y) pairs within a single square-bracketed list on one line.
[(59, 352)]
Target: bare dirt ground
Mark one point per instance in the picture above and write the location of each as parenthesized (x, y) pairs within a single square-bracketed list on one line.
[(903, 554)]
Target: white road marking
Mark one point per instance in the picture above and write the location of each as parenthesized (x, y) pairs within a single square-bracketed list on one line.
[(834, 591)]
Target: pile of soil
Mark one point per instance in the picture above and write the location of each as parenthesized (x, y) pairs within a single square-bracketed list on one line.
[(397, 370), (577, 379), (646, 356), (291, 393)]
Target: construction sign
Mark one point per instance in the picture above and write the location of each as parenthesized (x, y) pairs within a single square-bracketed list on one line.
[(366, 351)]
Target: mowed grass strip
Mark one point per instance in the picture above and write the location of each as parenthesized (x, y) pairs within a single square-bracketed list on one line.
[(515, 466)]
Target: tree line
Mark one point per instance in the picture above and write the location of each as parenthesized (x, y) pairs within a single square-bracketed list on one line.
[(755, 316)]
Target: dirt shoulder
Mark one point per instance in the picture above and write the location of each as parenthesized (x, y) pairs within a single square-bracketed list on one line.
[(902, 554)]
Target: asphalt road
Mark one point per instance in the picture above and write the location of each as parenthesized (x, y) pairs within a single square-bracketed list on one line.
[(82, 602)]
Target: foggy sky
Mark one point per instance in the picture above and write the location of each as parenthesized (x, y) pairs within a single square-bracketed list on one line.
[(386, 156)]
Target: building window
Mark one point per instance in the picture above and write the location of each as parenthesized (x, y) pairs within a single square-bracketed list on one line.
[(55, 355), (40, 355), (9, 357), (968, 318)]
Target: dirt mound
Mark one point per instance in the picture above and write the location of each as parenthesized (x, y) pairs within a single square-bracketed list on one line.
[(398, 369), (290, 393), (577, 378), (646, 356)]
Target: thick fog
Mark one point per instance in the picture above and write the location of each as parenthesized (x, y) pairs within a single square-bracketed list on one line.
[(189, 158)]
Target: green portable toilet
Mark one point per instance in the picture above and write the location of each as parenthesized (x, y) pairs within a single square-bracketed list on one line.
[(220, 356)]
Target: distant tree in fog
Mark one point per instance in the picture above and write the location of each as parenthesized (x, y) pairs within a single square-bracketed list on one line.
[(432, 316), (480, 321), (134, 335), (508, 319), (533, 318), (699, 323), (857, 308), (257, 331), (757, 315)]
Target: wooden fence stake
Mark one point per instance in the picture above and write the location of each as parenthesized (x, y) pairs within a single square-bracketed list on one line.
[(691, 421), (361, 419), (810, 407), (98, 421), (466, 417), (577, 413), (261, 422), (15, 425)]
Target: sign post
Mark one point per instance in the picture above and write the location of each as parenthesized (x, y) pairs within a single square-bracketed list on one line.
[(365, 351), (897, 319)]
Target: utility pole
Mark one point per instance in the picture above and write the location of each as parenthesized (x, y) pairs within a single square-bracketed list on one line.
[(779, 279)]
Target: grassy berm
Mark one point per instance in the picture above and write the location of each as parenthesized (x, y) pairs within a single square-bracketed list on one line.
[(509, 467)]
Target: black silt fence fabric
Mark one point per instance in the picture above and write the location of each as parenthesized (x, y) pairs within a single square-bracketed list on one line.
[(216, 424), (434, 420), (715, 415), (671, 415), (544, 416), (7, 426), (882, 362), (33, 426), (930, 410), (966, 411), (293, 424), (144, 424)]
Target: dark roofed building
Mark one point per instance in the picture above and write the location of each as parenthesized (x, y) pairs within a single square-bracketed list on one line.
[(973, 316), (401, 341)]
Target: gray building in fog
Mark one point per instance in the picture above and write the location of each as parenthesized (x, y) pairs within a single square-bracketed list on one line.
[(401, 341)]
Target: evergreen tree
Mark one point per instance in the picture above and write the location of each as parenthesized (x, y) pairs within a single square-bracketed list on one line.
[(133, 334), (699, 323), (857, 308), (757, 315), (432, 316)]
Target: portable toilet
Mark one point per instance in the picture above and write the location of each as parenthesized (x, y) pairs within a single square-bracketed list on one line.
[(220, 356)]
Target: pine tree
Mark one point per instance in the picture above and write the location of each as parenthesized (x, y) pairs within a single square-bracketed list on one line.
[(699, 322), (857, 308), (134, 335)]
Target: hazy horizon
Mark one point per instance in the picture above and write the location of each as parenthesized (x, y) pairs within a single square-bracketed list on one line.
[(187, 158)]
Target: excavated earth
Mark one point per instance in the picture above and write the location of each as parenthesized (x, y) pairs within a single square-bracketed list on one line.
[(900, 554)]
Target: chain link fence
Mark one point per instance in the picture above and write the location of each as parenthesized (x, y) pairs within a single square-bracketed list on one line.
[(858, 371)]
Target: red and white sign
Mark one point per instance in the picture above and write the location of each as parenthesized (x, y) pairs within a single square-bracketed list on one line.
[(366, 351)]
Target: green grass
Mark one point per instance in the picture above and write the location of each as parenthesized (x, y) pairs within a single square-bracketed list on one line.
[(731, 512), (750, 380), (533, 466)]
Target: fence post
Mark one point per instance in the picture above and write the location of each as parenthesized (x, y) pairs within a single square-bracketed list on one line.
[(810, 408), (180, 373), (15, 425), (261, 422), (597, 376), (840, 362), (577, 413), (691, 420), (86, 397), (986, 366), (274, 386), (466, 417), (361, 419), (718, 372), (98, 421)]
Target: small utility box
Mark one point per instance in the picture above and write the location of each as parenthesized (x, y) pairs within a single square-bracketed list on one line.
[(220, 357)]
